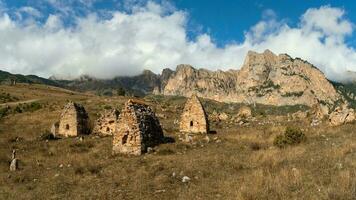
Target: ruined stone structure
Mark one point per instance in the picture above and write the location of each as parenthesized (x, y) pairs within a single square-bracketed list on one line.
[(138, 128), (194, 118), (55, 128), (106, 124), (73, 121), (13, 82)]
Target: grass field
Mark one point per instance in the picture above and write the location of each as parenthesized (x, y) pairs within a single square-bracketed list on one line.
[(239, 162)]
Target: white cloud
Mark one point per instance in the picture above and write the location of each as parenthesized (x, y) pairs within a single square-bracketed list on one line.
[(154, 36), (327, 20), (30, 11)]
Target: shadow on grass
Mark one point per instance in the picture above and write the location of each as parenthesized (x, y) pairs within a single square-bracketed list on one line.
[(48, 136), (168, 140)]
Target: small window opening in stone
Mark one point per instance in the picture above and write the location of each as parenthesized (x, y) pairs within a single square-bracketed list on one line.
[(191, 123), (107, 129), (124, 139), (67, 126)]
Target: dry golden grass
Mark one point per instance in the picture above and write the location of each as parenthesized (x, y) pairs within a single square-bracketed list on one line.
[(244, 165)]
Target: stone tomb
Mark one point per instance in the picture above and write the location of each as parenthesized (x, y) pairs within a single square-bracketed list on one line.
[(194, 118), (105, 125), (138, 128), (74, 121)]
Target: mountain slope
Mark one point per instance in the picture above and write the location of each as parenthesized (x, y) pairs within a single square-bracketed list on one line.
[(138, 85), (6, 77)]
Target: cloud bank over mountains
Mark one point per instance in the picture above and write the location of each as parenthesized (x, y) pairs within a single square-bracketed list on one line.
[(154, 36)]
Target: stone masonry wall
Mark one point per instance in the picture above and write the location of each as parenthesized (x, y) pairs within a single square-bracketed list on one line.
[(73, 121), (138, 128), (106, 124), (193, 118)]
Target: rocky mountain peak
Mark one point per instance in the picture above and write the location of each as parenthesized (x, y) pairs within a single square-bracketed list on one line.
[(166, 72), (266, 58), (264, 78), (148, 72), (185, 69)]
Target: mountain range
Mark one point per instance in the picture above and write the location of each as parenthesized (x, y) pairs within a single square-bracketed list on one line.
[(264, 78)]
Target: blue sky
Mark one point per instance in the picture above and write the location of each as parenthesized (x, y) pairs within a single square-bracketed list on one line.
[(107, 38), (225, 20)]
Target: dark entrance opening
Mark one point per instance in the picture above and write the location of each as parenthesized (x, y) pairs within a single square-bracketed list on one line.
[(124, 139), (191, 123)]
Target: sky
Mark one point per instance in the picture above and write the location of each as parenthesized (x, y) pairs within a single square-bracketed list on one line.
[(108, 38)]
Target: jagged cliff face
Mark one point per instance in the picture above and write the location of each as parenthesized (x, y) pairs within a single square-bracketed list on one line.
[(264, 78), (215, 85)]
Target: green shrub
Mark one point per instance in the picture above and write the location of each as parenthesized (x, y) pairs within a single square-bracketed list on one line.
[(31, 107), (121, 91), (4, 112), (292, 136), (6, 97), (107, 107), (18, 109), (107, 93), (280, 141), (293, 94)]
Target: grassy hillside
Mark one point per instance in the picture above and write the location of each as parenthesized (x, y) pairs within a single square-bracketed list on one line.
[(132, 86), (239, 162), (6, 77)]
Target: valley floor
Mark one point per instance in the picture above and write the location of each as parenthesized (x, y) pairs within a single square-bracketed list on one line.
[(239, 162)]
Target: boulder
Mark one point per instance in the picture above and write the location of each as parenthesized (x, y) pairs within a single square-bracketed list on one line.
[(319, 111), (223, 116), (244, 112), (299, 115), (214, 117), (341, 115), (14, 164)]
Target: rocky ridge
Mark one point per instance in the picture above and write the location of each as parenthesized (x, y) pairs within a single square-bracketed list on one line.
[(264, 78)]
